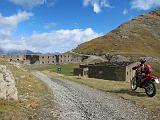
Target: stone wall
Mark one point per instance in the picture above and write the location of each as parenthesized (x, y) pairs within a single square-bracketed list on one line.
[(47, 59), (110, 71), (116, 73), (65, 58), (129, 72), (14, 58), (33, 59), (8, 88)]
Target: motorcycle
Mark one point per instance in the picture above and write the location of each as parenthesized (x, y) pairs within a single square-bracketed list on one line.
[(149, 84)]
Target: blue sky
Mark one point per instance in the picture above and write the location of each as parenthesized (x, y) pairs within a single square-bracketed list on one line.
[(60, 25)]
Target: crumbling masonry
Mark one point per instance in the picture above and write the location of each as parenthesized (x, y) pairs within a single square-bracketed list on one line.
[(44, 58)]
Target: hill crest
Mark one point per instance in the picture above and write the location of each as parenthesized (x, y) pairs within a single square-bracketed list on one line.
[(139, 36)]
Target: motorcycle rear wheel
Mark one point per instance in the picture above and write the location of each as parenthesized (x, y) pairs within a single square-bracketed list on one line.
[(150, 89)]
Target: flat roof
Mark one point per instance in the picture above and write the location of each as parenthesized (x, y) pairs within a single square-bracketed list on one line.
[(108, 64)]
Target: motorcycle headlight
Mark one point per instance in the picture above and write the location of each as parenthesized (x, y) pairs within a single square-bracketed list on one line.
[(157, 80)]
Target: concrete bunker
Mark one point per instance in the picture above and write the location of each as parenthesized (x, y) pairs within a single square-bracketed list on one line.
[(121, 71)]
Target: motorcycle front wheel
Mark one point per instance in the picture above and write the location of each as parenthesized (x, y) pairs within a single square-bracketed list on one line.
[(134, 84), (150, 89)]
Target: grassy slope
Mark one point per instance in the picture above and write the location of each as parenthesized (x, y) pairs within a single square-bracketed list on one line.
[(143, 38), (30, 92)]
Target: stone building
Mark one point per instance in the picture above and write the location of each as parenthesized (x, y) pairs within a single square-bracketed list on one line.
[(14, 57), (32, 59), (44, 58), (109, 71), (69, 58), (129, 72), (65, 58), (48, 59)]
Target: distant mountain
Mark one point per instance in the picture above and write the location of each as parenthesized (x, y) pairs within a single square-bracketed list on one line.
[(1, 51), (55, 53), (140, 36), (17, 52)]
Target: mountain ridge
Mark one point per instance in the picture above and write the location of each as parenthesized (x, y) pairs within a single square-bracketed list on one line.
[(13, 51), (141, 36)]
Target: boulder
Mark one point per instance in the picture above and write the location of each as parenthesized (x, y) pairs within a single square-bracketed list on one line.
[(8, 88), (3, 87)]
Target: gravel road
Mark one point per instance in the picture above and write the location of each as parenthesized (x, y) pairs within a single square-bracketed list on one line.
[(79, 102)]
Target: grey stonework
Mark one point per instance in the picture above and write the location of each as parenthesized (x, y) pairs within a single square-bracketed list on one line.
[(109, 71), (44, 58)]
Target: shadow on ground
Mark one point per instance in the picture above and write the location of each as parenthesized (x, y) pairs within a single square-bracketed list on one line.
[(129, 92)]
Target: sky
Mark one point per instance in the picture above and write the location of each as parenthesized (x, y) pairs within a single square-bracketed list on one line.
[(50, 26)]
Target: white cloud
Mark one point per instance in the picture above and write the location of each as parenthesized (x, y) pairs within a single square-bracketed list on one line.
[(28, 3), (97, 4), (144, 4), (14, 20), (125, 11), (60, 40), (8, 25), (105, 3), (50, 25), (86, 2), (53, 41), (9, 44), (32, 3), (96, 8)]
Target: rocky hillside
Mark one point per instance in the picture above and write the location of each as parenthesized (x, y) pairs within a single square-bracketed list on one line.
[(140, 36)]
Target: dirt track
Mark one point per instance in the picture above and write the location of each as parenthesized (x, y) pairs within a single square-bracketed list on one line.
[(79, 102)]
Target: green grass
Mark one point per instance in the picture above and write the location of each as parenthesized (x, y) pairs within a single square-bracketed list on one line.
[(66, 69)]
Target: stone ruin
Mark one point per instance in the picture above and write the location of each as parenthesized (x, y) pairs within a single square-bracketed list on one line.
[(8, 90), (117, 71)]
